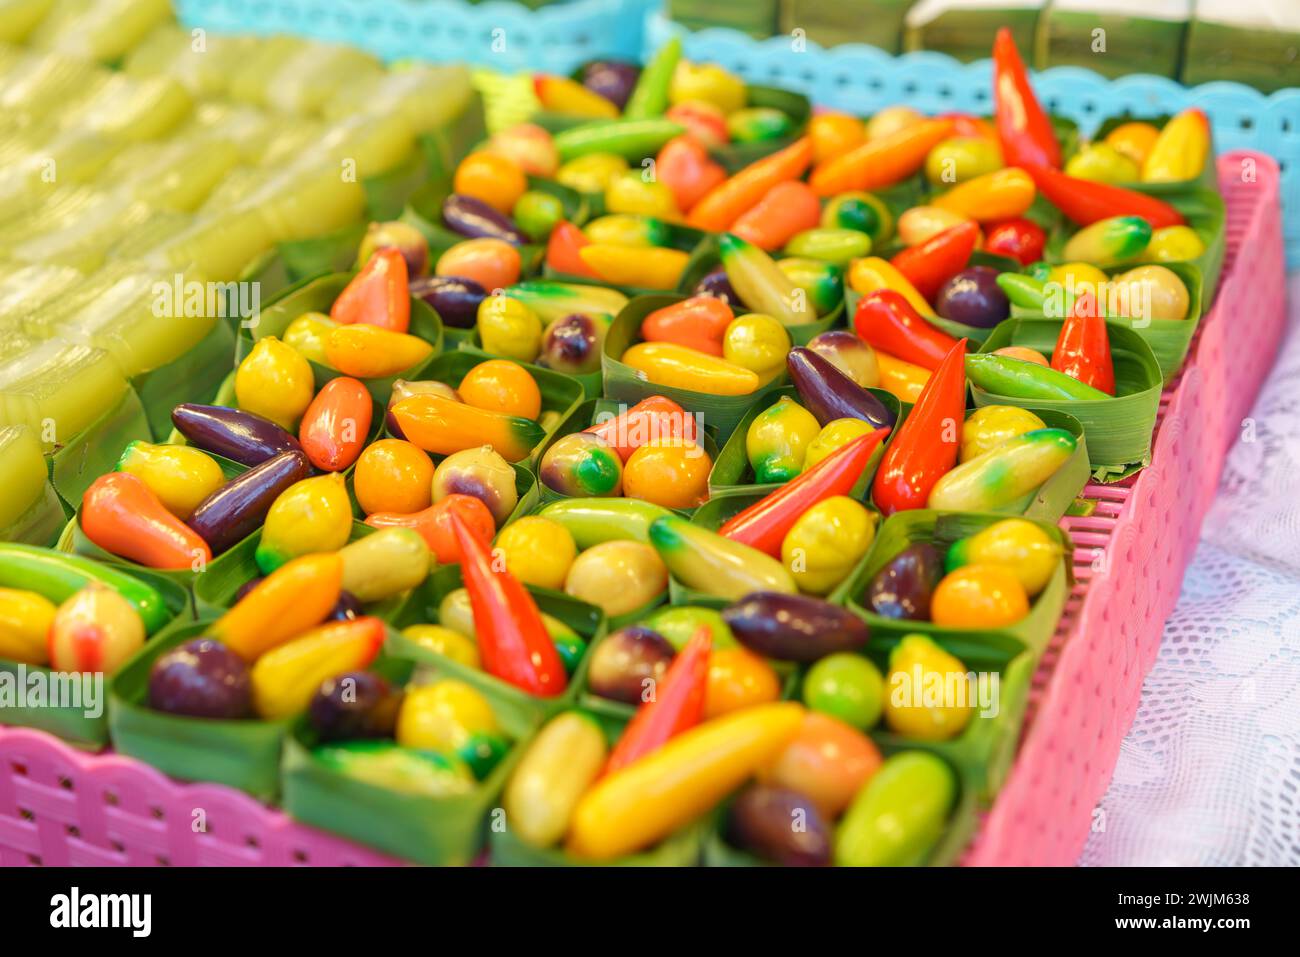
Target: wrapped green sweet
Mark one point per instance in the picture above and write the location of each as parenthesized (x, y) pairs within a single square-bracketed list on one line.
[(56, 388), (100, 30)]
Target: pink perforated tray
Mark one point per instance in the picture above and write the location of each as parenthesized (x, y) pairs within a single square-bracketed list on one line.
[(63, 807)]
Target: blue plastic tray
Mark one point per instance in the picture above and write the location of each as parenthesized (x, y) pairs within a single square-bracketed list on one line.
[(505, 36)]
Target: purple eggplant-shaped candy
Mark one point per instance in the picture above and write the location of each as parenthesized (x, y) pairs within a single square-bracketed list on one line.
[(829, 394), (475, 219), (612, 79), (625, 660), (201, 679), (454, 299), (232, 433), (973, 297), (235, 510), (760, 821), (903, 588), (356, 704), (717, 285), (794, 627)]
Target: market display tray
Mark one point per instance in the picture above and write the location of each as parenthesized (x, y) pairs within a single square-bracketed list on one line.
[(60, 806)]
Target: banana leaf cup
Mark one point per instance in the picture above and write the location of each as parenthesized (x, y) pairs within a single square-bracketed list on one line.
[(1170, 339), (1205, 214), (95, 450), (732, 471), (681, 849), (707, 257), (902, 529), (582, 416), (718, 413), (215, 588), (83, 724), (436, 831), (73, 540), (243, 754), (1119, 429), (1206, 179), (587, 621), (318, 295), (962, 822)]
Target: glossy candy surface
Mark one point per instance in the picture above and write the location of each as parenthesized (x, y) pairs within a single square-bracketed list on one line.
[(778, 439), (290, 600), (455, 299), (404, 238), (834, 435), (699, 323), (336, 425), (758, 343), (180, 475), (623, 663), (442, 716), (1014, 543), (849, 354), (275, 382), (762, 285), (847, 687), (122, 516), (369, 352), (355, 704), (899, 816), (708, 562), (236, 509), (823, 282), (384, 564), (313, 515), (652, 268), (829, 394), (25, 618), (1153, 292), (617, 576), (759, 822), (794, 627), (508, 327), (973, 298), (434, 523), (862, 212), (887, 321), (785, 211), (828, 761), (481, 473), (1109, 241), (538, 551), (306, 336), (990, 426), (1019, 239), (495, 179), (201, 679), (475, 219), (582, 464), (671, 472), (572, 344), (916, 663), (1005, 375), (1004, 475), (501, 386), (825, 543), (393, 475), (492, 263), (446, 642), (94, 631), (442, 427), (594, 520), (378, 295), (979, 596), (560, 764), (904, 588), (674, 366)]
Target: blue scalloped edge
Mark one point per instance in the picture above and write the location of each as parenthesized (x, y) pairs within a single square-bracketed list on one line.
[(862, 79)]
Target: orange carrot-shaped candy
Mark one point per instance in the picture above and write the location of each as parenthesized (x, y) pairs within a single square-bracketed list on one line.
[(378, 295), (788, 208), (881, 162), (723, 204), (121, 515), (295, 597)]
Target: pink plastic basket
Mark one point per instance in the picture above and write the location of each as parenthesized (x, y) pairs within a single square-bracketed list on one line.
[(63, 807)]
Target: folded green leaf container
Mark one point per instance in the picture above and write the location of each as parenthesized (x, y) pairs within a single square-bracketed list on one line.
[(1169, 339), (1133, 43), (239, 754), (719, 413), (434, 831), (422, 608), (318, 295), (1118, 429), (1208, 178), (731, 469), (1205, 213), (902, 529), (72, 724)]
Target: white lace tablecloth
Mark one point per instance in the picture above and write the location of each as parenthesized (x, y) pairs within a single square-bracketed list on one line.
[(1209, 774)]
